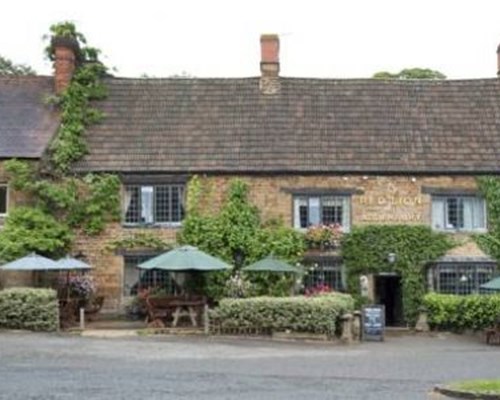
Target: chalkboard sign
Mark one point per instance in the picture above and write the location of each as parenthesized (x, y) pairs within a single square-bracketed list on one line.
[(373, 322)]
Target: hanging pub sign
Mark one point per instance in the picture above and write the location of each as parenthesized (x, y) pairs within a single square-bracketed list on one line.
[(373, 322)]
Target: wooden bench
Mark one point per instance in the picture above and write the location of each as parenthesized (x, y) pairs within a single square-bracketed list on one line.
[(493, 334)]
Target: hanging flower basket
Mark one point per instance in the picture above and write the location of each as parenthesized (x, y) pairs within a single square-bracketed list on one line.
[(324, 237)]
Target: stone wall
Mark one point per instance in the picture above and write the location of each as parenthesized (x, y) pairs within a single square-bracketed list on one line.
[(108, 264), (376, 200)]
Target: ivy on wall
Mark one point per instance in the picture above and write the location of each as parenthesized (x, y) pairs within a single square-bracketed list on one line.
[(75, 101), (140, 240), (489, 187), (28, 230), (57, 201), (237, 228), (365, 251)]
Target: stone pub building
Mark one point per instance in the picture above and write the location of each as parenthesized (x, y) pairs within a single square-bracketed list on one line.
[(347, 151)]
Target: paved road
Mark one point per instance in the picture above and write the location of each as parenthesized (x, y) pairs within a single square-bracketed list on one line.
[(39, 366)]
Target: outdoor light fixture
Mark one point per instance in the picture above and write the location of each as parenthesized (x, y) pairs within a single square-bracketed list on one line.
[(391, 258), (238, 257), (464, 278)]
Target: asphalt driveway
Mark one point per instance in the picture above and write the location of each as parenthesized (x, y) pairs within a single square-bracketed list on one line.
[(41, 366)]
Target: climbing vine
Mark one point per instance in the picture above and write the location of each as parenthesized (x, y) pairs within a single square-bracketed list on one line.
[(52, 194), (365, 251), (75, 101), (489, 187), (140, 240), (238, 228)]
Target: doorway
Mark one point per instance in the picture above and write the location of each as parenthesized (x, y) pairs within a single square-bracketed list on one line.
[(388, 292)]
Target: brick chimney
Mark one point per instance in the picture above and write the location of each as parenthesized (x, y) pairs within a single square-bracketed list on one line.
[(66, 54), (269, 64)]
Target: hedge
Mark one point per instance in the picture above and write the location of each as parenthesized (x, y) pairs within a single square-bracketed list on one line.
[(457, 313), (27, 308), (318, 314)]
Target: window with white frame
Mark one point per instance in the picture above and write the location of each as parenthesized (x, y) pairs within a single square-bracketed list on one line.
[(3, 199), (460, 277), (458, 213), (153, 204), (326, 210)]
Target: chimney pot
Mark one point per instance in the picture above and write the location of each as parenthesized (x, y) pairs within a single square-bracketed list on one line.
[(269, 50), (66, 53)]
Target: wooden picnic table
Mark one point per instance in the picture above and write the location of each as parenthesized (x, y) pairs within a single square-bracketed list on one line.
[(174, 307)]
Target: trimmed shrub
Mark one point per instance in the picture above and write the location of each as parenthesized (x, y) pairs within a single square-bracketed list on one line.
[(318, 314), (28, 308), (456, 313)]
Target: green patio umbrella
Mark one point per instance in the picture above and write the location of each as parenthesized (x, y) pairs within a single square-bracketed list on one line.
[(70, 263), (31, 262), (493, 285), (183, 259), (271, 264)]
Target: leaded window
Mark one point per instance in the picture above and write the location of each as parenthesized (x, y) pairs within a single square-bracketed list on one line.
[(3, 199), (461, 278), (153, 204), (458, 213), (322, 272), (135, 279), (326, 210)]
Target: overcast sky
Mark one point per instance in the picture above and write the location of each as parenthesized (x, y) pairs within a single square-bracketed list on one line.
[(220, 38)]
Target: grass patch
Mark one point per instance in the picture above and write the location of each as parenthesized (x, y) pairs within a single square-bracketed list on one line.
[(483, 386)]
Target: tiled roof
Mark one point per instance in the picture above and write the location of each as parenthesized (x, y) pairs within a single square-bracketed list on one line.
[(27, 123), (312, 125)]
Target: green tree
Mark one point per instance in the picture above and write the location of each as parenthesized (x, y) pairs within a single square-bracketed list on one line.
[(7, 67), (57, 201), (410, 73), (237, 228), (31, 230)]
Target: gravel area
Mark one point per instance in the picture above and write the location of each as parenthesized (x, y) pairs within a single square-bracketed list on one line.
[(42, 366)]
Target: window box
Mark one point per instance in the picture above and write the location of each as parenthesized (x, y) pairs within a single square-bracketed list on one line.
[(323, 237)]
